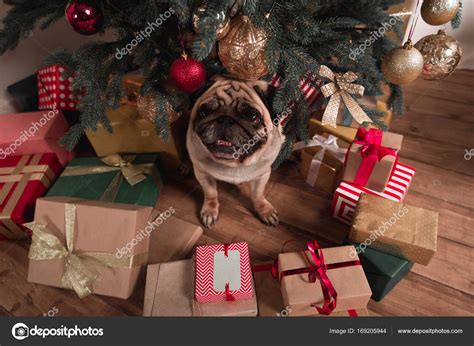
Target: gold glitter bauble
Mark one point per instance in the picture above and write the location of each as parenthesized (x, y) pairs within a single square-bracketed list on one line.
[(439, 12), (147, 107), (200, 14), (242, 50), (441, 54), (402, 65)]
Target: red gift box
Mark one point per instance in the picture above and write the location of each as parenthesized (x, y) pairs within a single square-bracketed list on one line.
[(34, 133), (54, 90), (347, 194), (223, 273), (23, 179)]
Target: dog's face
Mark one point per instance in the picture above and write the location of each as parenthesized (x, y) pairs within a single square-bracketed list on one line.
[(232, 121)]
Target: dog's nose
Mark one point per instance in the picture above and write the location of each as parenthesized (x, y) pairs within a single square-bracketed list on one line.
[(226, 121)]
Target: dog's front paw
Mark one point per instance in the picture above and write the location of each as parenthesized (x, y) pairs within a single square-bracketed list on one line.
[(267, 213), (209, 213)]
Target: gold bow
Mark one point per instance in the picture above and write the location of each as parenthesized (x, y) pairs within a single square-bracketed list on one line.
[(341, 87), (79, 273)]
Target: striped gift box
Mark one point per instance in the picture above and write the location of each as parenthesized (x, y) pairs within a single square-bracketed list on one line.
[(309, 87), (215, 281), (347, 194)]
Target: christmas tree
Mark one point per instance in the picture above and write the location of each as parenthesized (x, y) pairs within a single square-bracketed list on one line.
[(298, 37)]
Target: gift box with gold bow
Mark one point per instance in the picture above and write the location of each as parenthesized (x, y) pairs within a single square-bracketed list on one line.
[(322, 161), (23, 179), (322, 281), (371, 158), (134, 134), (132, 179), (75, 245)]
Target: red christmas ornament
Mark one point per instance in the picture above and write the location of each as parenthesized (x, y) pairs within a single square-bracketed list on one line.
[(188, 74), (84, 16)]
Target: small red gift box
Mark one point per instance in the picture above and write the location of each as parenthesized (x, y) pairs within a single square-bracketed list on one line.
[(223, 273), (54, 90), (23, 179), (347, 194)]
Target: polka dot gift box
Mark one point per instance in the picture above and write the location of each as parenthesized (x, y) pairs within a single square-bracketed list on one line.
[(55, 91)]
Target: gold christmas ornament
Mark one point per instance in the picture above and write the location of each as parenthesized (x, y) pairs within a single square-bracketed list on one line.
[(402, 65), (200, 15), (242, 50), (441, 55), (147, 107), (439, 12)]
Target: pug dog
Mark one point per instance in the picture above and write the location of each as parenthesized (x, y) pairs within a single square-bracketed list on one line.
[(231, 137)]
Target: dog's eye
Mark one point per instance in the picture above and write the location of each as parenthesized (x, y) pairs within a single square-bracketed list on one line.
[(249, 113), (204, 111)]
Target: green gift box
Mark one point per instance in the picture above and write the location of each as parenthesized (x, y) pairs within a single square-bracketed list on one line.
[(132, 179), (383, 271)]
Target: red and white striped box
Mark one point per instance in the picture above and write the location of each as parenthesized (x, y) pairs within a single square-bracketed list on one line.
[(347, 194), (223, 273), (55, 91), (309, 87)]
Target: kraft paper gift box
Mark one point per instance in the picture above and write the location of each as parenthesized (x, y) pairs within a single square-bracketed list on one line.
[(173, 239), (223, 273), (34, 133), (270, 300), (340, 268), (113, 179), (371, 158), (169, 292), (76, 245), (402, 230), (22, 180), (383, 271), (347, 194), (322, 161), (55, 89)]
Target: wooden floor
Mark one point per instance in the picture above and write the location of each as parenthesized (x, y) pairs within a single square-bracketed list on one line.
[(438, 127)]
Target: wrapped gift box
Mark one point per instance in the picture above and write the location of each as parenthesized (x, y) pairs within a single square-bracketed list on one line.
[(395, 228), (54, 89), (169, 292), (323, 171), (91, 178), (305, 297), (173, 238), (383, 271), (75, 245), (34, 133), (22, 180), (371, 157), (347, 194), (223, 273)]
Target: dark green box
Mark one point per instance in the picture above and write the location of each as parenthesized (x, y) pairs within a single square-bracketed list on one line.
[(383, 271), (92, 186)]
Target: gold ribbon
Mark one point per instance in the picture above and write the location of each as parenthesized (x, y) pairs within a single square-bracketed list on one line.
[(25, 171), (79, 273), (341, 87)]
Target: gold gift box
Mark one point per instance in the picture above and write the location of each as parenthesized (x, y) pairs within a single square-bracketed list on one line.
[(395, 228)]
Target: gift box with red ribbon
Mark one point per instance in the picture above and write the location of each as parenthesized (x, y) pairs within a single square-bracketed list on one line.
[(54, 89), (322, 281), (347, 194), (223, 273), (22, 180), (371, 158)]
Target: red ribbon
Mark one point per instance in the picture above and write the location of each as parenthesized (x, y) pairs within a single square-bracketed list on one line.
[(371, 152), (228, 296), (317, 272)]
